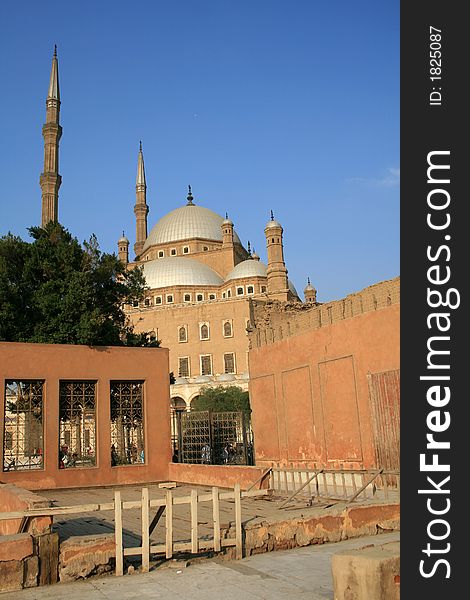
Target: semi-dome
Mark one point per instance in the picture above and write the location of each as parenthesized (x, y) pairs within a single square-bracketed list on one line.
[(187, 222), (248, 268), (176, 270)]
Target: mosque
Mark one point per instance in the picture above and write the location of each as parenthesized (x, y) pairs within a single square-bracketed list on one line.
[(199, 276)]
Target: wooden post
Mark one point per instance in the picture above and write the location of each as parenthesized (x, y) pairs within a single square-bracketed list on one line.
[(48, 553), (169, 524), (335, 489), (216, 518), (238, 522), (118, 534), (194, 523), (343, 482), (145, 531)]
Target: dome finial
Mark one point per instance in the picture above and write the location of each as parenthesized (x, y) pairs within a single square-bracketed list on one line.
[(249, 248), (308, 280), (140, 146), (272, 216), (226, 214), (189, 197)]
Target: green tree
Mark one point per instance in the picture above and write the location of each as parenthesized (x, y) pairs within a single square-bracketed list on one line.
[(220, 399), (53, 290)]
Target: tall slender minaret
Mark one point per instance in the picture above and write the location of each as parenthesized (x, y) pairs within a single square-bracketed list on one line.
[(50, 179), (276, 272), (141, 209)]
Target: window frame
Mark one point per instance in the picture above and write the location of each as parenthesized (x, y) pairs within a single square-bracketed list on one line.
[(201, 356)]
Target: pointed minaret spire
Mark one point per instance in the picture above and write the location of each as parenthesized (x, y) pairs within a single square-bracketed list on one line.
[(189, 197), (50, 179), (140, 179), (54, 91), (141, 209)]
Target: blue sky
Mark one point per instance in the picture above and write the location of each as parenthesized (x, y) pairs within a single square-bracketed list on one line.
[(288, 105)]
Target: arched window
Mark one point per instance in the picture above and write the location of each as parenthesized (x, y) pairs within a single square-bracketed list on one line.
[(204, 330), (227, 329), (182, 334)]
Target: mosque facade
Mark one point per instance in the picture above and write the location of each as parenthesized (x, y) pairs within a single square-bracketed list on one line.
[(199, 276)]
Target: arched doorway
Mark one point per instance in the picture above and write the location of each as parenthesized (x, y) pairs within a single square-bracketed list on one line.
[(177, 406)]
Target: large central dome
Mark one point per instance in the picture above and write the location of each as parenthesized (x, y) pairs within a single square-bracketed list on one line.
[(178, 270), (187, 222)]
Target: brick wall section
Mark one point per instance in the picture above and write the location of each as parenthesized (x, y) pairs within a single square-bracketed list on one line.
[(273, 321)]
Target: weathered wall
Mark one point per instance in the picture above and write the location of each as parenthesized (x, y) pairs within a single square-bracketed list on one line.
[(13, 498), (217, 475), (309, 376), (55, 362)]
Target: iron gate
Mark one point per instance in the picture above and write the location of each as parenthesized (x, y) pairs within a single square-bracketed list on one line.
[(214, 438)]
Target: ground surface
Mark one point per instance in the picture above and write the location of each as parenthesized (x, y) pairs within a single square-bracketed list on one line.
[(298, 574), (253, 509)]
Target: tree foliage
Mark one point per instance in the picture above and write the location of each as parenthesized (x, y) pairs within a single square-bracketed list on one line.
[(53, 290), (220, 399)]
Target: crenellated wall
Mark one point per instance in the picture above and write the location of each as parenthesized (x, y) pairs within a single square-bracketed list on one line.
[(273, 321), (323, 379)]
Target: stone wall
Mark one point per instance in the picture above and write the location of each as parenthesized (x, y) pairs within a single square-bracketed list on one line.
[(54, 363), (272, 321), (28, 549), (312, 369), (218, 475)]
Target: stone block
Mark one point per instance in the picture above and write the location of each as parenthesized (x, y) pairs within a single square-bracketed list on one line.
[(11, 575), (15, 547), (82, 556), (366, 573), (31, 571)]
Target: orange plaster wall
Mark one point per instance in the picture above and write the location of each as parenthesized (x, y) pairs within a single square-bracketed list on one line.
[(309, 392), (53, 362), (217, 475)]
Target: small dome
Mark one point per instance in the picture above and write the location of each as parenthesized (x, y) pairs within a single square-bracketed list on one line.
[(272, 224), (254, 256), (248, 268), (187, 222), (123, 239), (177, 270), (309, 287)]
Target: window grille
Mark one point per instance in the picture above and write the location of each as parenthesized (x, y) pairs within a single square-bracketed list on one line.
[(227, 329), (182, 334), (229, 362), (127, 422), (206, 364), (77, 424), (23, 427), (183, 366)]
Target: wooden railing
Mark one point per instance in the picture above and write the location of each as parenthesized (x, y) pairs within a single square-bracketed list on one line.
[(336, 485), (163, 505)]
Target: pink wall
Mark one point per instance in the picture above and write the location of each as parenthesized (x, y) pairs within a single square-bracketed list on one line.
[(55, 362), (217, 475), (309, 392)]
